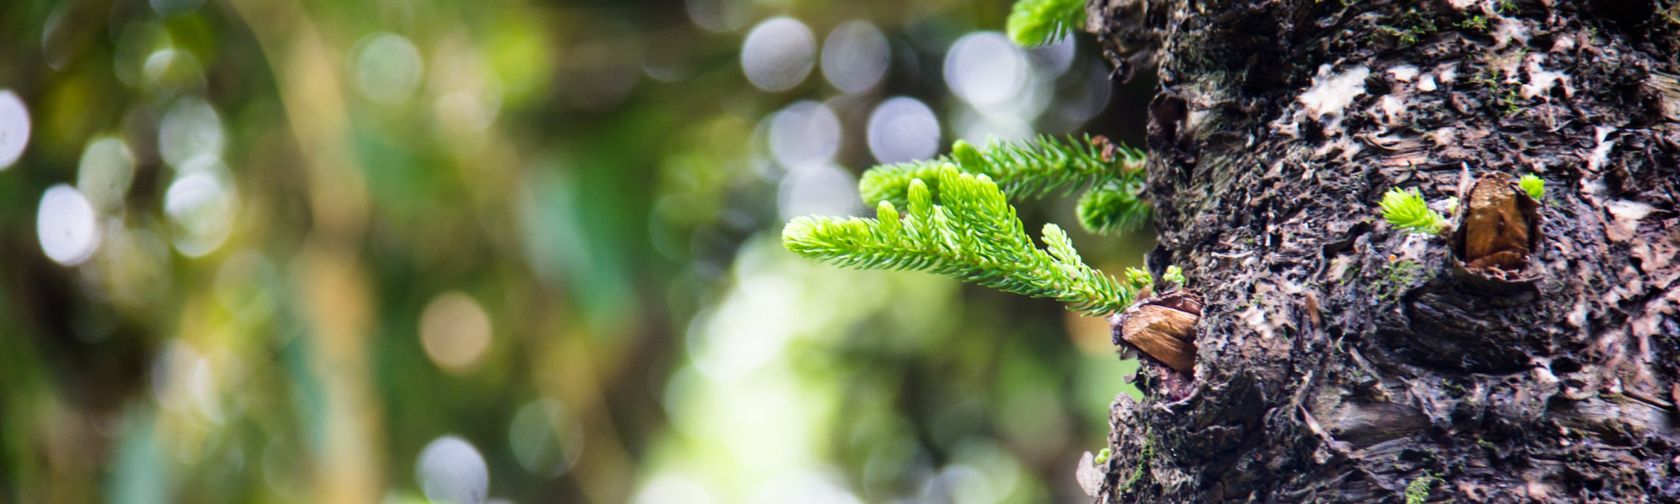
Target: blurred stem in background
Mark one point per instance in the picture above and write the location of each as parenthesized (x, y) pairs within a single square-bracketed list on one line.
[(332, 286)]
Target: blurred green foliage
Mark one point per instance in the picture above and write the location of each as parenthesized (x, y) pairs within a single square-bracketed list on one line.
[(337, 233)]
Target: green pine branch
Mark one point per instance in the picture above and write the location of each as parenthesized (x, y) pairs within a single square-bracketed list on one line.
[(1033, 169), (1023, 169), (1039, 22), (1114, 205), (972, 234)]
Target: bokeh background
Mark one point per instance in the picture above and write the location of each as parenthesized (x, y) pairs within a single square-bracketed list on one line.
[(392, 250)]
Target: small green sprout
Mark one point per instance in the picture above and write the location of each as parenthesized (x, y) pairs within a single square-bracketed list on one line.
[(1535, 186), (1396, 277), (1138, 279), (1102, 457), (1410, 27), (1407, 210), (1507, 95), (1477, 23), (1039, 22), (1174, 275), (1417, 492)]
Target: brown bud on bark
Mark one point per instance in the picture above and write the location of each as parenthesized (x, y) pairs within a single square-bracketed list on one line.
[(1499, 229), (1163, 328)]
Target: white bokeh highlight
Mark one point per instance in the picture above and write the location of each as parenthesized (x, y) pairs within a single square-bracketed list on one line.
[(819, 189), (451, 470), (746, 331), (804, 132), (1088, 97), (200, 204), (14, 128), (855, 56), (66, 225), (985, 69), (191, 128), (778, 54), (719, 15), (903, 129), (386, 68), (1055, 58)]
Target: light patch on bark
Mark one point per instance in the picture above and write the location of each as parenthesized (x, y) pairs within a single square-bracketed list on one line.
[(1443, 136), (1542, 375), (1541, 81), (1342, 146), (1330, 94), (1563, 44), (1256, 320), (1426, 84), (1627, 215), (1392, 109), (1290, 129), (1601, 152), (1448, 72), (1507, 30), (1339, 267), (1403, 73), (1447, 206), (1507, 63), (1537, 490), (1665, 87), (1655, 256), (1650, 324), (1578, 316), (1415, 246)]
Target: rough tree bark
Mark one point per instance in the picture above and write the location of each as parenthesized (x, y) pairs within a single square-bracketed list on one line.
[(1340, 359)]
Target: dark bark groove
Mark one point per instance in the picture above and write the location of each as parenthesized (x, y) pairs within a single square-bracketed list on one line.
[(1340, 359)]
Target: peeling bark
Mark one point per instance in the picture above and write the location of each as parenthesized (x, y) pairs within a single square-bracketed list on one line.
[(1339, 359)]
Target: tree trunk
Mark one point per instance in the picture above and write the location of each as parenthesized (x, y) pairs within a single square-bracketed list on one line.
[(1342, 359)]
